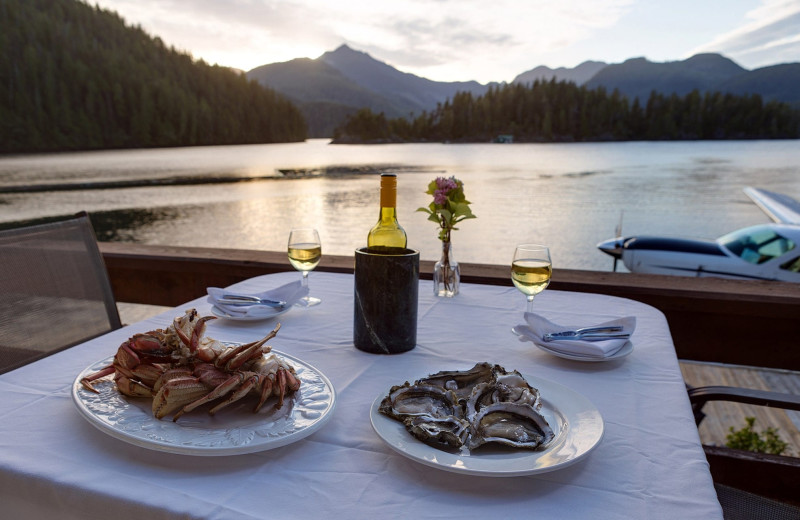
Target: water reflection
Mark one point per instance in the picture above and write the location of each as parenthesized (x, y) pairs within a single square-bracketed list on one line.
[(128, 225), (569, 196)]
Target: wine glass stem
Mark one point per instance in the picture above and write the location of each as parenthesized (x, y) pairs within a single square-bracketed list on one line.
[(305, 279), (530, 304)]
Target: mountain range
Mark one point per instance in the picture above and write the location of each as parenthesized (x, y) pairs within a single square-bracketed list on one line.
[(337, 84)]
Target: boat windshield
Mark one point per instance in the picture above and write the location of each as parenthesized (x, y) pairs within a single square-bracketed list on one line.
[(757, 244)]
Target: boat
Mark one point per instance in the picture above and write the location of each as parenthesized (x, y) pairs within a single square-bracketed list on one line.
[(762, 252)]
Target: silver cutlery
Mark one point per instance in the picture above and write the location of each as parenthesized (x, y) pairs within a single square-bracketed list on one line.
[(589, 334), (238, 299)]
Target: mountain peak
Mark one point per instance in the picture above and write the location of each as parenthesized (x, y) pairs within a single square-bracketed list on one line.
[(344, 51), (578, 75), (637, 77), (707, 56)]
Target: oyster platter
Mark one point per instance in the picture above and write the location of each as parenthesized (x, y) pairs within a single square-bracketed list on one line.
[(487, 421)]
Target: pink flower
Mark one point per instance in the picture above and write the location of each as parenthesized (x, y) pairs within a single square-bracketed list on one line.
[(444, 184), (440, 197)]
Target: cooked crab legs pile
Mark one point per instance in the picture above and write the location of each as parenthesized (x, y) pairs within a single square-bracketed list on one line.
[(182, 369)]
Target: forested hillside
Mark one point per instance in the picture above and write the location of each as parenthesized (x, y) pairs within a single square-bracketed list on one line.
[(562, 111), (75, 77)]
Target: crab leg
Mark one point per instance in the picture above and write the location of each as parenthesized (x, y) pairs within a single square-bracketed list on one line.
[(266, 392), (253, 352), (169, 375), (218, 392), (87, 381), (250, 382), (132, 387), (281, 377), (226, 356), (229, 354), (292, 383), (197, 332)]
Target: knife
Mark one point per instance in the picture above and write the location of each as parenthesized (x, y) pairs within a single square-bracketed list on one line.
[(589, 334), (237, 299)]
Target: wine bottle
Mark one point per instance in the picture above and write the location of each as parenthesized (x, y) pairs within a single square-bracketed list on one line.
[(387, 235)]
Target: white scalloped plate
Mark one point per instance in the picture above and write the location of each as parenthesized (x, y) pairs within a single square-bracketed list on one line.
[(234, 430), (576, 422)]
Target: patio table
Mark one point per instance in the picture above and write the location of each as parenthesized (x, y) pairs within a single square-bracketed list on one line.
[(649, 463)]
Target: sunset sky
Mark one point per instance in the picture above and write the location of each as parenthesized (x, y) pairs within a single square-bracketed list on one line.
[(456, 40)]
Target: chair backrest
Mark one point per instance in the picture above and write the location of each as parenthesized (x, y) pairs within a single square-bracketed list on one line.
[(54, 290)]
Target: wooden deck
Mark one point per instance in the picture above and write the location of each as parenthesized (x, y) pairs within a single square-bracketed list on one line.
[(720, 416)]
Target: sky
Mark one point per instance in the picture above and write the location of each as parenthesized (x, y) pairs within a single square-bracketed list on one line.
[(461, 40)]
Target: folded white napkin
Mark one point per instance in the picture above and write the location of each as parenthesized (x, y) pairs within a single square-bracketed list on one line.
[(291, 293), (539, 326)]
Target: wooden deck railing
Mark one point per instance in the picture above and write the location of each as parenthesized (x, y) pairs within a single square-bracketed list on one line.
[(726, 321)]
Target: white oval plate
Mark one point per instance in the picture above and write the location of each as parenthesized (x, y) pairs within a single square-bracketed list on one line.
[(234, 430), (577, 425), (219, 313), (624, 350)]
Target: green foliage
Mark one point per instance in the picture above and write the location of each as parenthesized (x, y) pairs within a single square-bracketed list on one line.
[(562, 111), (449, 206), (77, 77), (366, 126), (748, 439)]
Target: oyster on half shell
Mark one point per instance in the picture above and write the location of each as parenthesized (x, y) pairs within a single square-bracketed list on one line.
[(461, 382), (467, 409), (418, 399), (450, 431), (512, 424)]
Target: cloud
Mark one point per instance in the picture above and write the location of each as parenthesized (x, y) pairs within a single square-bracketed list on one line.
[(440, 39), (772, 36), (471, 39)]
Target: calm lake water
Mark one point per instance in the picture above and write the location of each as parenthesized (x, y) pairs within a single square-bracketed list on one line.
[(569, 196)]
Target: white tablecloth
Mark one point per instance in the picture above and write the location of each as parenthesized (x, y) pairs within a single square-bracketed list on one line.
[(649, 464)]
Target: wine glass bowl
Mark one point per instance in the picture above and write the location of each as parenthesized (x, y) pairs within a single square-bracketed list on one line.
[(305, 252), (531, 269)]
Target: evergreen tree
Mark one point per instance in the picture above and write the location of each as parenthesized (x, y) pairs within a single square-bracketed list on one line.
[(563, 111), (77, 77)]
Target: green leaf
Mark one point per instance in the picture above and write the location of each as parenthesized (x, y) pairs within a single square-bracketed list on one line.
[(457, 195), (462, 210)]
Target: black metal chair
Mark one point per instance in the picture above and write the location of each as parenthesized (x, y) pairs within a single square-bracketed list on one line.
[(751, 485), (54, 290)]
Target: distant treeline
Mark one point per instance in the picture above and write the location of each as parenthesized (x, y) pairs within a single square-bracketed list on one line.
[(74, 77), (551, 111)]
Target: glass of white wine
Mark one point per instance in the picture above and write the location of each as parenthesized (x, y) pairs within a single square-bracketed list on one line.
[(531, 269), (305, 252)]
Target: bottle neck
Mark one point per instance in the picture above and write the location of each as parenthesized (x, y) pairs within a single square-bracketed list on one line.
[(388, 214), (387, 234), (388, 198), (388, 192)]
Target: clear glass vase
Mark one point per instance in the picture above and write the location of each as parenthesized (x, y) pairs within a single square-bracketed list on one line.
[(446, 273)]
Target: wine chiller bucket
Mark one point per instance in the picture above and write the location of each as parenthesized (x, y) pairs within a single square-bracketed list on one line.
[(386, 301)]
